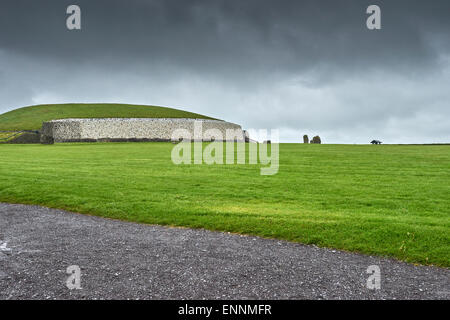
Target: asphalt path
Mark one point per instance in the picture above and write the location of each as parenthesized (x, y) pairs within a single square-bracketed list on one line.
[(122, 260)]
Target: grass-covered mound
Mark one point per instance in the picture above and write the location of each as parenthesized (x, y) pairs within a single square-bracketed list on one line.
[(31, 118)]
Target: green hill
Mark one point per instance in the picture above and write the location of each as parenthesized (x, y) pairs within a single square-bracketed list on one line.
[(31, 118)]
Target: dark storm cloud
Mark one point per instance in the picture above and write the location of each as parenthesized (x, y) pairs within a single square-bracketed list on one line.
[(294, 65), (228, 35)]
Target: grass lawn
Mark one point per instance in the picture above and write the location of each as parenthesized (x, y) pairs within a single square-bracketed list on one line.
[(384, 200), (31, 118)]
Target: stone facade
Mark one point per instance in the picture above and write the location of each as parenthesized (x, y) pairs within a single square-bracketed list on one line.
[(138, 129), (26, 138)]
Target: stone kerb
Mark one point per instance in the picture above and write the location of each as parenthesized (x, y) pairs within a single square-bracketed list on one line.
[(135, 129)]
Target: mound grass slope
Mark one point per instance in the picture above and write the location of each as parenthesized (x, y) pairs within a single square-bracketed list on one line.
[(31, 118)]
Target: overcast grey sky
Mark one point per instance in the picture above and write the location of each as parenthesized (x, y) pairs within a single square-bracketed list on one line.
[(298, 66)]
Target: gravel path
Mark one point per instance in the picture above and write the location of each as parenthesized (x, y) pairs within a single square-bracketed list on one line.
[(121, 260)]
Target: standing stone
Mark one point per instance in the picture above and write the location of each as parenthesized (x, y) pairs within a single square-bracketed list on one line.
[(316, 140), (305, 138)]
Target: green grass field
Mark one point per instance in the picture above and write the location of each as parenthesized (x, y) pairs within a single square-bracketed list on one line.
[(31, 118), (384, 200)]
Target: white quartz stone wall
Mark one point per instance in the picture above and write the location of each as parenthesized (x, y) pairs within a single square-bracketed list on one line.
[(140, 129)]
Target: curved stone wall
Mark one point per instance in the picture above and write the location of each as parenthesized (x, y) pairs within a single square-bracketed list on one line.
[(139, 129)]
